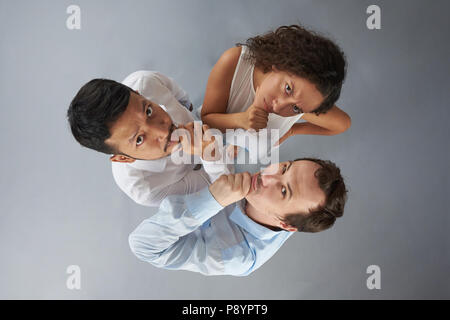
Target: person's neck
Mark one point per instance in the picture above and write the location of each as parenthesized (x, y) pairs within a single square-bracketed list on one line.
[(259, 217), (258, 77)]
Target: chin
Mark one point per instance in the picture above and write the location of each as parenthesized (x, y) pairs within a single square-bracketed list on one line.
[(255, 201)]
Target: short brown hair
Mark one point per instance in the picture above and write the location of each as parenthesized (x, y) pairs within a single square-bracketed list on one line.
[(323, 217)]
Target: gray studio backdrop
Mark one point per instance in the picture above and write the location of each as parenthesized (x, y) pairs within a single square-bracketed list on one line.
[(59, 203)]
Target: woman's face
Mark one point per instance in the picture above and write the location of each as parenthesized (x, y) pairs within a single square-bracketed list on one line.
[(286, 94)]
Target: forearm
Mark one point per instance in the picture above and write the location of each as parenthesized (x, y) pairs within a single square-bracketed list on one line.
[(309, 128), (223, 121), (334, 121), (159, 236)]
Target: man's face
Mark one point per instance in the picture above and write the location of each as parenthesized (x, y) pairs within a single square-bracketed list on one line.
[(287, 95), (142, 132), (290, 188)]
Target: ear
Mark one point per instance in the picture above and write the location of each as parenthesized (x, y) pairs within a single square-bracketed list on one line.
[(121, 158), (288, 227)]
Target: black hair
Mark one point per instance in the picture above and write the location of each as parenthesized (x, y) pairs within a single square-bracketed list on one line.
[(96, 106)]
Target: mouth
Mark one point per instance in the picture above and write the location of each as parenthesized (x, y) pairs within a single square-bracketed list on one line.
[(267, 107), (169, 142)]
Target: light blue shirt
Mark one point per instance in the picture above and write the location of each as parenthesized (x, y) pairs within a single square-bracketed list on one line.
[(194, 232)]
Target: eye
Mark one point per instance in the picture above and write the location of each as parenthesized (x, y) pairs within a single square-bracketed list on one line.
[(149, 111), (284, 169), (296, 109), (139, 140), (288, 89), (283, 191)]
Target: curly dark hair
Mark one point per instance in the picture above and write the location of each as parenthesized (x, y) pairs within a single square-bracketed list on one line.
[(323, 217), (304, 53), (96, 106)]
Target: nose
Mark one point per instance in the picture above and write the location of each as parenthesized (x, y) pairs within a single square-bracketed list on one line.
[(157, 129), (281, 102), (270, 179)]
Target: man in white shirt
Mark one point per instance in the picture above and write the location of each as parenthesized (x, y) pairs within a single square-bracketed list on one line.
[(134, 121)]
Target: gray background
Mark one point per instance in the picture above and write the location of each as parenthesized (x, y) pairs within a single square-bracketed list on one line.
[(60, 206)]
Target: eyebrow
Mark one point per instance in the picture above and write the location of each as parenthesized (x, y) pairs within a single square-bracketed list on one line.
[(134, 135), (289, 187)]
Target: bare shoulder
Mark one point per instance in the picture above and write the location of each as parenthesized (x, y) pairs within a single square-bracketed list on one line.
[(230, 57), (219, 82), (226, 65)]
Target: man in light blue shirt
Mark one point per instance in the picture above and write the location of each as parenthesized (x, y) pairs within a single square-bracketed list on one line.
[(237, 223)]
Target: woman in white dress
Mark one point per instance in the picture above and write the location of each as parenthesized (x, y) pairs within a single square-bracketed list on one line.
[(275, 79)]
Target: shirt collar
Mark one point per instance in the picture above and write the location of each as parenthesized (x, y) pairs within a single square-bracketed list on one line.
[(239, 217), (157, 165)]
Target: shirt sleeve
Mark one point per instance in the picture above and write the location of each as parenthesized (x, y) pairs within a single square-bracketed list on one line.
[(176, 90), (224, 164), (215, 169), (171, 238), (152, 197)]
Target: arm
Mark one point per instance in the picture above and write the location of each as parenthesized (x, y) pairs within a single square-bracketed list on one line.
[(191, 182), (334, 121), (168, 239), (171, 238), (217, 93)]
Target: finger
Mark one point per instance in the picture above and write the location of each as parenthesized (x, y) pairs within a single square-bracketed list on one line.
[(246, 183), (262, 122), (264, 115), (223, 179), (198, 133), (230, 179), (259, 118), (237, 182), (189, 126), (259, 125), (205, 128), (262, 112), (184, 143), (190, 131)]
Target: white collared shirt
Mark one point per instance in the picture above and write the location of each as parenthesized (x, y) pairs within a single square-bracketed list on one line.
[(148, 182)]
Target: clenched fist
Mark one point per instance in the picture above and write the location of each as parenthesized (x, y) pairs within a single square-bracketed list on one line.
[(255, 117), (194, 133), (230, 188)]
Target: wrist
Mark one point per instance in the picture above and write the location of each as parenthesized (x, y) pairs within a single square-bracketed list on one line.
[(242, 120)]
